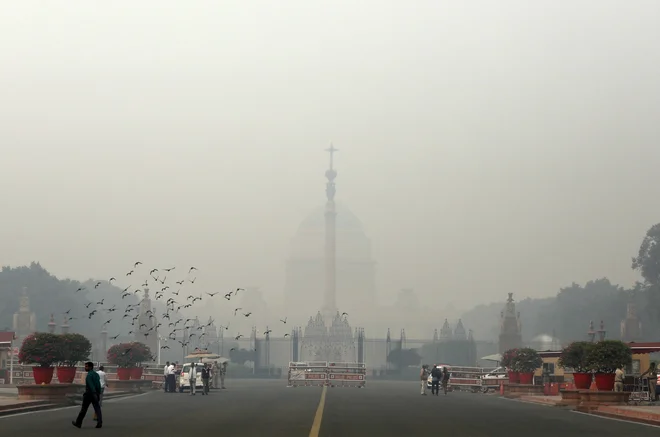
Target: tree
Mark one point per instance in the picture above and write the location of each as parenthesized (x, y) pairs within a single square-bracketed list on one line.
[(647, 261), (404, 358)]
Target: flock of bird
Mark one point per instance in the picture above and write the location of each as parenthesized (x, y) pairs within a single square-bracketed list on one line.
[(173, 304)]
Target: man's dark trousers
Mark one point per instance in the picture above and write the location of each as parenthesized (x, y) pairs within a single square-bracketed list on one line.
[(89, 398)]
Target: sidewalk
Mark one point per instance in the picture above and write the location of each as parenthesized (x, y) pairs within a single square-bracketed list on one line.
[(14, 406), (551, 401), (649, 414)]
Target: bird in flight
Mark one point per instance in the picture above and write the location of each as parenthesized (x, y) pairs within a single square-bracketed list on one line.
[(165, 347), (136, 264), (97, 284), (115, 337), (238, 336), (191, 269), (80, 289), (112, 279), (237, 310), (130, 273), (344, 314), (212, 294), (268, 332), (153, 271), (192, 281), (284, 321), (286, 335), (247, 314), (169, 270)]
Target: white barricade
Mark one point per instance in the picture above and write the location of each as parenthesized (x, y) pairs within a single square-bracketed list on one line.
[(347, 374), (319, 373)]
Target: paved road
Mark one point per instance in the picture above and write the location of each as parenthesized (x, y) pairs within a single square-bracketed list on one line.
[(268, 408)]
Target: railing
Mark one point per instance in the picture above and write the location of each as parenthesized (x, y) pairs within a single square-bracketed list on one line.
[(333, 374)]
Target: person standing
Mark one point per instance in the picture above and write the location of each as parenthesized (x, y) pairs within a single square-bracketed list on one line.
[(171, 378), (166, 377), (206, 375), (91, 396), (223, 372), (445, 379), (192, 377), (214, 375), (436, 375), (653, 381), (619, 376), (102, 380), (424, 376)]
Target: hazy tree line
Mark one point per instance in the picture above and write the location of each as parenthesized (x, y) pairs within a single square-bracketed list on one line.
[(567, 315), (50, 295)]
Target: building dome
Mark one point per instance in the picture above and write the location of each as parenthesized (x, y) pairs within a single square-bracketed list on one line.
[(346, 220)]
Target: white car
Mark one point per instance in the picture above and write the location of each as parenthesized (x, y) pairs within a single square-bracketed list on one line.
[(491, 380), (184, 378)]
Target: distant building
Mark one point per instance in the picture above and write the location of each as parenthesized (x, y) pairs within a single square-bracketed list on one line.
[(25, 321), (631, 326), (510, 327)]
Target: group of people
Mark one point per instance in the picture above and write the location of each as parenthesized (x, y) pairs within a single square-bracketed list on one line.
[(439, 375), (95, 384), (209, 374), (652, 378)]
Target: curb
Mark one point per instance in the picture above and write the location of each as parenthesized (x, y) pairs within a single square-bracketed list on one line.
[(23, 408), (624, 418)]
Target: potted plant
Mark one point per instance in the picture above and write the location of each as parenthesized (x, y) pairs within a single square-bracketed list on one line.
[(526, 361), (508, 361), (42, 349), (604, 358), (141, 353), (74, 348), (121, 355), (576, 356)]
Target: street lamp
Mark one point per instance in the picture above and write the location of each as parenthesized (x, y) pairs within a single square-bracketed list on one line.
[(159, 348)]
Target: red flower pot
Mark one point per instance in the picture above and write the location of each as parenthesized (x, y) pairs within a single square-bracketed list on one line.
[(42, 375), (582, 380), (605, 381), (136, 372), (123, 374), (526, 377), (66, 375), (514, 377)]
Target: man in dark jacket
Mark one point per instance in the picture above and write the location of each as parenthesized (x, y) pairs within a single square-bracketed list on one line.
[(91, 396), (436, 375)]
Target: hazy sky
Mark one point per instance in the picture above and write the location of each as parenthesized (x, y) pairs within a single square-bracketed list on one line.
[(488, 146)]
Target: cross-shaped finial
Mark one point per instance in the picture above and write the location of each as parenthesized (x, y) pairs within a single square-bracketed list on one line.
[(332, 151)]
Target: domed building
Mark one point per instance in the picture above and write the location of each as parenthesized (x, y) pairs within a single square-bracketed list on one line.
[(306, 270)]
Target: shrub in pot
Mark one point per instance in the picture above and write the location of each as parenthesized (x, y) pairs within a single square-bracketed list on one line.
[(121, 355), (576, 357), (604, 358), (42, 349), (508, 358), (526, 361), (141, 353), (74, 348)]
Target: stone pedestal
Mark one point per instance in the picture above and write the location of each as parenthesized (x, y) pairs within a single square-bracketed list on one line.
[(132, 385), (517, 390), (591, 400), (56, 393), (570, 397)]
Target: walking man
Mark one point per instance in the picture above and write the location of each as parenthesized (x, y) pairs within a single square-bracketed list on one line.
[(102, 380), (424, 376), (206, 375), (192, 377), (91, 396)]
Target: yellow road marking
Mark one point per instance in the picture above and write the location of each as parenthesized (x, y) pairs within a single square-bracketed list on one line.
[(318, 417)]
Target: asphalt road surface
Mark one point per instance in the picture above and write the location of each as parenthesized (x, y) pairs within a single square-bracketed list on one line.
[(269, 409)]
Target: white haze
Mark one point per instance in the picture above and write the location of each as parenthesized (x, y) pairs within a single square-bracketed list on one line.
[(488, 147)]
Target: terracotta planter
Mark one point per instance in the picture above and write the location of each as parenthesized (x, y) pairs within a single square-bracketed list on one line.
[(605, 381), (514, 377), (582, 380), (526, 377), (66, 374), (123, 373), (136, 372), (42, 375)]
